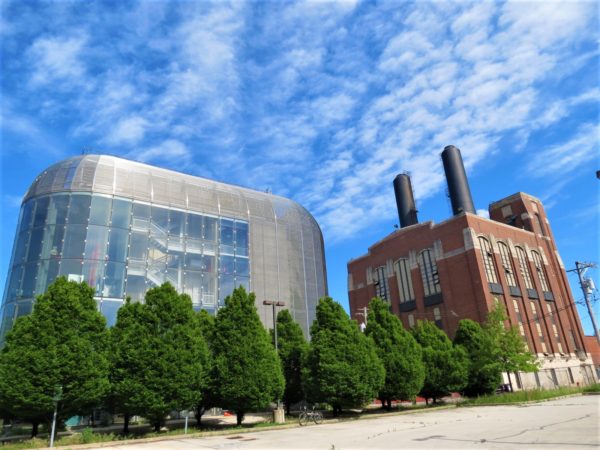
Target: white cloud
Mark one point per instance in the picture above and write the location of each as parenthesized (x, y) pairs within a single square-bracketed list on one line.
[(57, 59), (129, 130)]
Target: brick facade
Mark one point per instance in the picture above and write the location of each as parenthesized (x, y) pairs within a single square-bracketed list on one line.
[(510, 258)]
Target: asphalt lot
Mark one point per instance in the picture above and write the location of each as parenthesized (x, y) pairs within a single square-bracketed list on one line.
[(568, 423)]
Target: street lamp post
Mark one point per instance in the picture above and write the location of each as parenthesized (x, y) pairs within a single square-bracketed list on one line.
[(275, 304), (56, 399)]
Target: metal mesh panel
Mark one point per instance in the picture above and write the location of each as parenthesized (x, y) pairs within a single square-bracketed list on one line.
[(103, 181)]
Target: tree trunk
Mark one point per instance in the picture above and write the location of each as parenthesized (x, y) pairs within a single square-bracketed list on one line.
[(199, 412), (240, 417), (426, 401), (34, 429), (157, 426), (126, 423), (287, 408), (389, 404), (509, 381)]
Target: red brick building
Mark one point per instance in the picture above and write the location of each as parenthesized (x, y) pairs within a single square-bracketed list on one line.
[(462, 266)]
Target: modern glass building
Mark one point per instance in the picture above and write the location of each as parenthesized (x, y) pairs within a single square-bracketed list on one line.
[(124, 227)]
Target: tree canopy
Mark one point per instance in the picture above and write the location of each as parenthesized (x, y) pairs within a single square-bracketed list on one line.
[(509, 347), (246, 368), (399, 353), (485, 371), (62, 343), (342, 366), (293, 350), (160, 358), (446, 367)]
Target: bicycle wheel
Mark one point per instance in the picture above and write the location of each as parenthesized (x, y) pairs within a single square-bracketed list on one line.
[(318, 417), (302, 419)]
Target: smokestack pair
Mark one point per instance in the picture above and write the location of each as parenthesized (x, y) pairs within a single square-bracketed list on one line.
[(458, 189)]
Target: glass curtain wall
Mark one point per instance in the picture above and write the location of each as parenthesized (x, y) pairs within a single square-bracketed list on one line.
[(122, 248)]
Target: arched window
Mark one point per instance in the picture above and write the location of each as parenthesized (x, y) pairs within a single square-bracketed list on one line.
[(539, 267), (507, 264), (429, 273), (488, 260), (381, 283), (404, 279), (525, 273)]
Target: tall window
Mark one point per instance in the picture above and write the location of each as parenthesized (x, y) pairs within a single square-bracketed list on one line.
[(539, 267), (404, 280), (554, 329), (525, 273), (519, 317), (538, 326), (381, 284), (437, 317), (488, 260), (540, 224), (507, 264), (429, 273)]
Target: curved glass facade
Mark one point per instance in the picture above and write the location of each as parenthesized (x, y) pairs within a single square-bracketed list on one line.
[(201, 237)]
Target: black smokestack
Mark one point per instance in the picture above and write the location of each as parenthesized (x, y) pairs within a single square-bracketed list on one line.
[(407, 212), (458, 186)]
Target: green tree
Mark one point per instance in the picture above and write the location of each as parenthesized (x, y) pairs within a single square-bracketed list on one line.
[(509, 347), (159, 358), (399, 352), (293, 349), (342, 365), (245, 363), (446, 367), (61, 343), (485, 371)]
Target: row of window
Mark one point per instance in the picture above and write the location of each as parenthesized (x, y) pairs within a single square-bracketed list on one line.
[(430, 277), (491, 272), (537, 322)]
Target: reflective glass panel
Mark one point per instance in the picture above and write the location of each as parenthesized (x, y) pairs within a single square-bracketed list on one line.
[(57, 209), (210, 229), (95, 246), (160, 219), (79, 209), (242, 267), (8, 313), (138, 249), (114, 280), (47, 273), (100, 210), (193, 261), (29, 279), (74, 241), (41, 209), (109, 309), (14, 287), (226, 265), (193, 286), (194, 226), (226, 284), (117, 244), (21, 247), (71, 269), (27, 215), (136, 287), (226, 232), (93, 275), (51, 248), (241, 238), (176, 223), (209, 289), (141, 216), (121, 211), (35, 244), (208, 263)]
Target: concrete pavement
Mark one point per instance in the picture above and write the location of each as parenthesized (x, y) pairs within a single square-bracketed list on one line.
[(568, 423)]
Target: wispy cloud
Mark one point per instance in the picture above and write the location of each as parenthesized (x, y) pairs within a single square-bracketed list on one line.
[(324, 102)]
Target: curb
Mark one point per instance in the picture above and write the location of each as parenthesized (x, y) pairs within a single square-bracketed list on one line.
[(529, 402)]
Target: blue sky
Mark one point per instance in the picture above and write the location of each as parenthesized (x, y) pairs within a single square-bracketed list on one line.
[(322, 102)]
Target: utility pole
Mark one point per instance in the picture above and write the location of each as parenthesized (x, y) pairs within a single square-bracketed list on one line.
[(587, 286), (278, 415), (364, 311)]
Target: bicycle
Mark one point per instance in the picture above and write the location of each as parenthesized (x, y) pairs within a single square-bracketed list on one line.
[(306, 416)]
